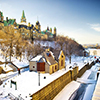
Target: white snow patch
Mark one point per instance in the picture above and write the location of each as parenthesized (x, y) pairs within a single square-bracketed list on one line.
[(7, 68), (37, 58), (67, 91)]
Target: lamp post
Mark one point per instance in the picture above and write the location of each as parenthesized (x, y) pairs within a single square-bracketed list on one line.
[(39, 78)]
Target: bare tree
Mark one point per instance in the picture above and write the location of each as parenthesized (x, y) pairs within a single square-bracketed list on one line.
[(72, 48), (10, 39), (61, 41), (38, 49)]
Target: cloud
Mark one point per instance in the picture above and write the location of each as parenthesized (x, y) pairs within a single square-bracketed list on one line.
[(95, 27)]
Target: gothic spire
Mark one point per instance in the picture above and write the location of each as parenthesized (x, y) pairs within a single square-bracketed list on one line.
[(23, 14)]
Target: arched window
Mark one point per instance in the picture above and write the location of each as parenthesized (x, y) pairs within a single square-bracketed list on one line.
[(61, 62)]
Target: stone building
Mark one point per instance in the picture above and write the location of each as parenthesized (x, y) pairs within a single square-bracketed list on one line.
[(28, 31), (47, 62)]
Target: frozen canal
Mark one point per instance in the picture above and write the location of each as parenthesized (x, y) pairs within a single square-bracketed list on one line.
[(82, 88), (80, 93)]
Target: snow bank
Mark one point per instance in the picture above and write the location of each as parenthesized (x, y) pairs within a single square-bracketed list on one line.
[(67, 91), (96, 94)]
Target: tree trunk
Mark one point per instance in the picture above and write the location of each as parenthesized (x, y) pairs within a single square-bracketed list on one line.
[(70, 59), (5, 59), (10, 50)]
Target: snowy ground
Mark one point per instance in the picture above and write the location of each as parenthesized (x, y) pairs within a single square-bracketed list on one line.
[(7, 68), (79, 61), (67, 91), (27, 82)]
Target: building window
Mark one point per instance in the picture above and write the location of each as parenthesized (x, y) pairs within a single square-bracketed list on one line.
[(52, 69), (33, 66), (61, 62), (55, 67), (48, 54)]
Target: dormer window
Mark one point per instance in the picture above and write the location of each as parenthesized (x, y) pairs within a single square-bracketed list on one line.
[(48, 54), (62, 56)]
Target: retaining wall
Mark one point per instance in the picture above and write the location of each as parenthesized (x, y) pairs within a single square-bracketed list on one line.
[(81, 71), (52, 89)]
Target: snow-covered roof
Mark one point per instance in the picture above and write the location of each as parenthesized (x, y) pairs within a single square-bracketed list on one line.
[(52, 54), (7, 68), (37, 58), (22, 23), (87, 50), (49, 57), (20, 64), (15, 27), (59, 54)]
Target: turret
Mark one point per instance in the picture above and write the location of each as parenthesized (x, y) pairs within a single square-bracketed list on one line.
[(54, 35), (48, 28), (29, 24), (51, 30), (54, 30), (1, 16), (6, 19), (38, 27)]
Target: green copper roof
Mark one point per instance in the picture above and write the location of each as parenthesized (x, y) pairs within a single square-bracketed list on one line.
[(42, 32), (5, 23), (1, 14), (50, 34), (10, 22), (23, 15), (46, 30), (54, 27)]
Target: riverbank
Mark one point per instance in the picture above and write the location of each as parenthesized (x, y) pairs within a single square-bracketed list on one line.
[(89, 78)]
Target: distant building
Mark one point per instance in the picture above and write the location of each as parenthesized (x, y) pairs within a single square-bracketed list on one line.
[(94, 52), (48, 62), (28, 31)]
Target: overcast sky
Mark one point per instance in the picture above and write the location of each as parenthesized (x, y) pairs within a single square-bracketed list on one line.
[(78, 19)]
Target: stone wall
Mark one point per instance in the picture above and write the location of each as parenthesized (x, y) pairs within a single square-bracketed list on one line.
[(81, 71), (86, 67), (52, 89)]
